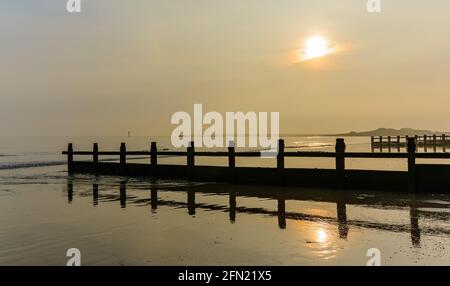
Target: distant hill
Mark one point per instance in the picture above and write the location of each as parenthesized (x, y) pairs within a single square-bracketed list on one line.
[(392, 132)]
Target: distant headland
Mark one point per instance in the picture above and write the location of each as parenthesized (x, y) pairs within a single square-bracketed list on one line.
[(391, 132)]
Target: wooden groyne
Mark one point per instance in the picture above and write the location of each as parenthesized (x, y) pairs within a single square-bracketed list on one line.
[(418, 177), (433, 143)]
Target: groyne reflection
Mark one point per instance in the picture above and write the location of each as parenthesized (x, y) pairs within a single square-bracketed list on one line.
[(417, 209)]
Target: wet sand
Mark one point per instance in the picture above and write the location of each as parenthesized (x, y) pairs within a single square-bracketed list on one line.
[(145, 222)]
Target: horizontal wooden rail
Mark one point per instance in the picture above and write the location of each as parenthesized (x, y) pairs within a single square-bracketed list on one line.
[(310, 154), (376, 155), (433, 155), (300, 154)]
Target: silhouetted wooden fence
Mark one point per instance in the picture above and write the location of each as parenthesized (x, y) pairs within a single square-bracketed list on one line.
[(339, 177)]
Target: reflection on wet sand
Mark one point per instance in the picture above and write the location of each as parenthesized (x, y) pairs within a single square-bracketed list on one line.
[(282, 213), (69, 190), (232, 206), (191, 201), (123, 194), (154, 198), (95, 194), (415, 230), (341, 219)]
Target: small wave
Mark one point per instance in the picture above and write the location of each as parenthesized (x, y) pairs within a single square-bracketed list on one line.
[(35, 164), (21, 165), (8, 155), (310, 145)]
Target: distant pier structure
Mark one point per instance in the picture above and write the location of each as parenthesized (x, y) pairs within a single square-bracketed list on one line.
[(432, 143)]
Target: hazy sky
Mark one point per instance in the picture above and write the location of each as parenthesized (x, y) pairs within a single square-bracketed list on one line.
[(129, 65)]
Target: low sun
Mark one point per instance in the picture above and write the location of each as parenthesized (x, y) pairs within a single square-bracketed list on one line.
[(316, 47)]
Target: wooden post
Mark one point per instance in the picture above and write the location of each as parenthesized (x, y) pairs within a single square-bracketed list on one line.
[(95, 153), (425, 149), (190, 159), (398, 143), (340, 162), (280, 161), (231, 161), (389, 144), (153, 154), (123, 154), (444, 143), (280, 156), (381, 143), (412, 165), (372, 143), (434, 143), (69, 157)]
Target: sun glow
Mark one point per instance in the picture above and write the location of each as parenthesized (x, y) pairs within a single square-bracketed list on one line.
[(316, 47)]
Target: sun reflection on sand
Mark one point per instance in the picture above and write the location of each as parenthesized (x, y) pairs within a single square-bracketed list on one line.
[(321, 235), (322, 243)]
